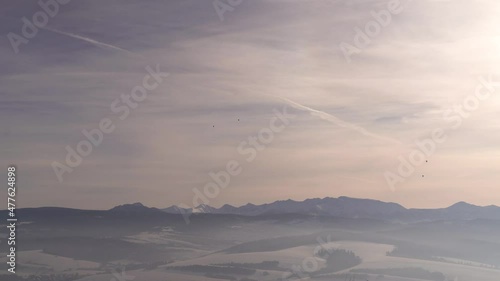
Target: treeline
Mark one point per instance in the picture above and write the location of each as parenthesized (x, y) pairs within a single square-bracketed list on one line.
[(102, 249), (133, 266), (228, 271), (265, 265), (337, 260), (49, 277), (413, 251), (473, 255), (409, 272), (272, 244), (216, 270)]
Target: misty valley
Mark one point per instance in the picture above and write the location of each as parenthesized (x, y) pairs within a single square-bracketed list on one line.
[(316, 239)]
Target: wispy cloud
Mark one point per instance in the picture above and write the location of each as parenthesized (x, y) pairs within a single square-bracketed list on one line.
[(337, 121), (89, 40)]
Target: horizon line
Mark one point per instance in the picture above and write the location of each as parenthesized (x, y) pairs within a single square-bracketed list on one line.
[(327, 197)]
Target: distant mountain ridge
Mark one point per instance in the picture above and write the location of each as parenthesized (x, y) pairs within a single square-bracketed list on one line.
[(342, 207), (349, 208), (135, 208)]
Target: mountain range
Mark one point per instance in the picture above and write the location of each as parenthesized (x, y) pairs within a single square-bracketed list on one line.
[(347, 207), (342, 207)]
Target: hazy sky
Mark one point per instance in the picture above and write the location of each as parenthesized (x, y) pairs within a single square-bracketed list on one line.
[(353, 120)]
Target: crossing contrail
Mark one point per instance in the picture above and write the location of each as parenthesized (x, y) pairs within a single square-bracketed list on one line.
[(337, 121), (89, 40)]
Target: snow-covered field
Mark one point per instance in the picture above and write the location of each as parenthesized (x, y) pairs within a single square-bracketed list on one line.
[(37, 262)]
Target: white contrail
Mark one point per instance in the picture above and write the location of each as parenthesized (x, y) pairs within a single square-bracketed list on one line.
[(89, 40), (333, 119)]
